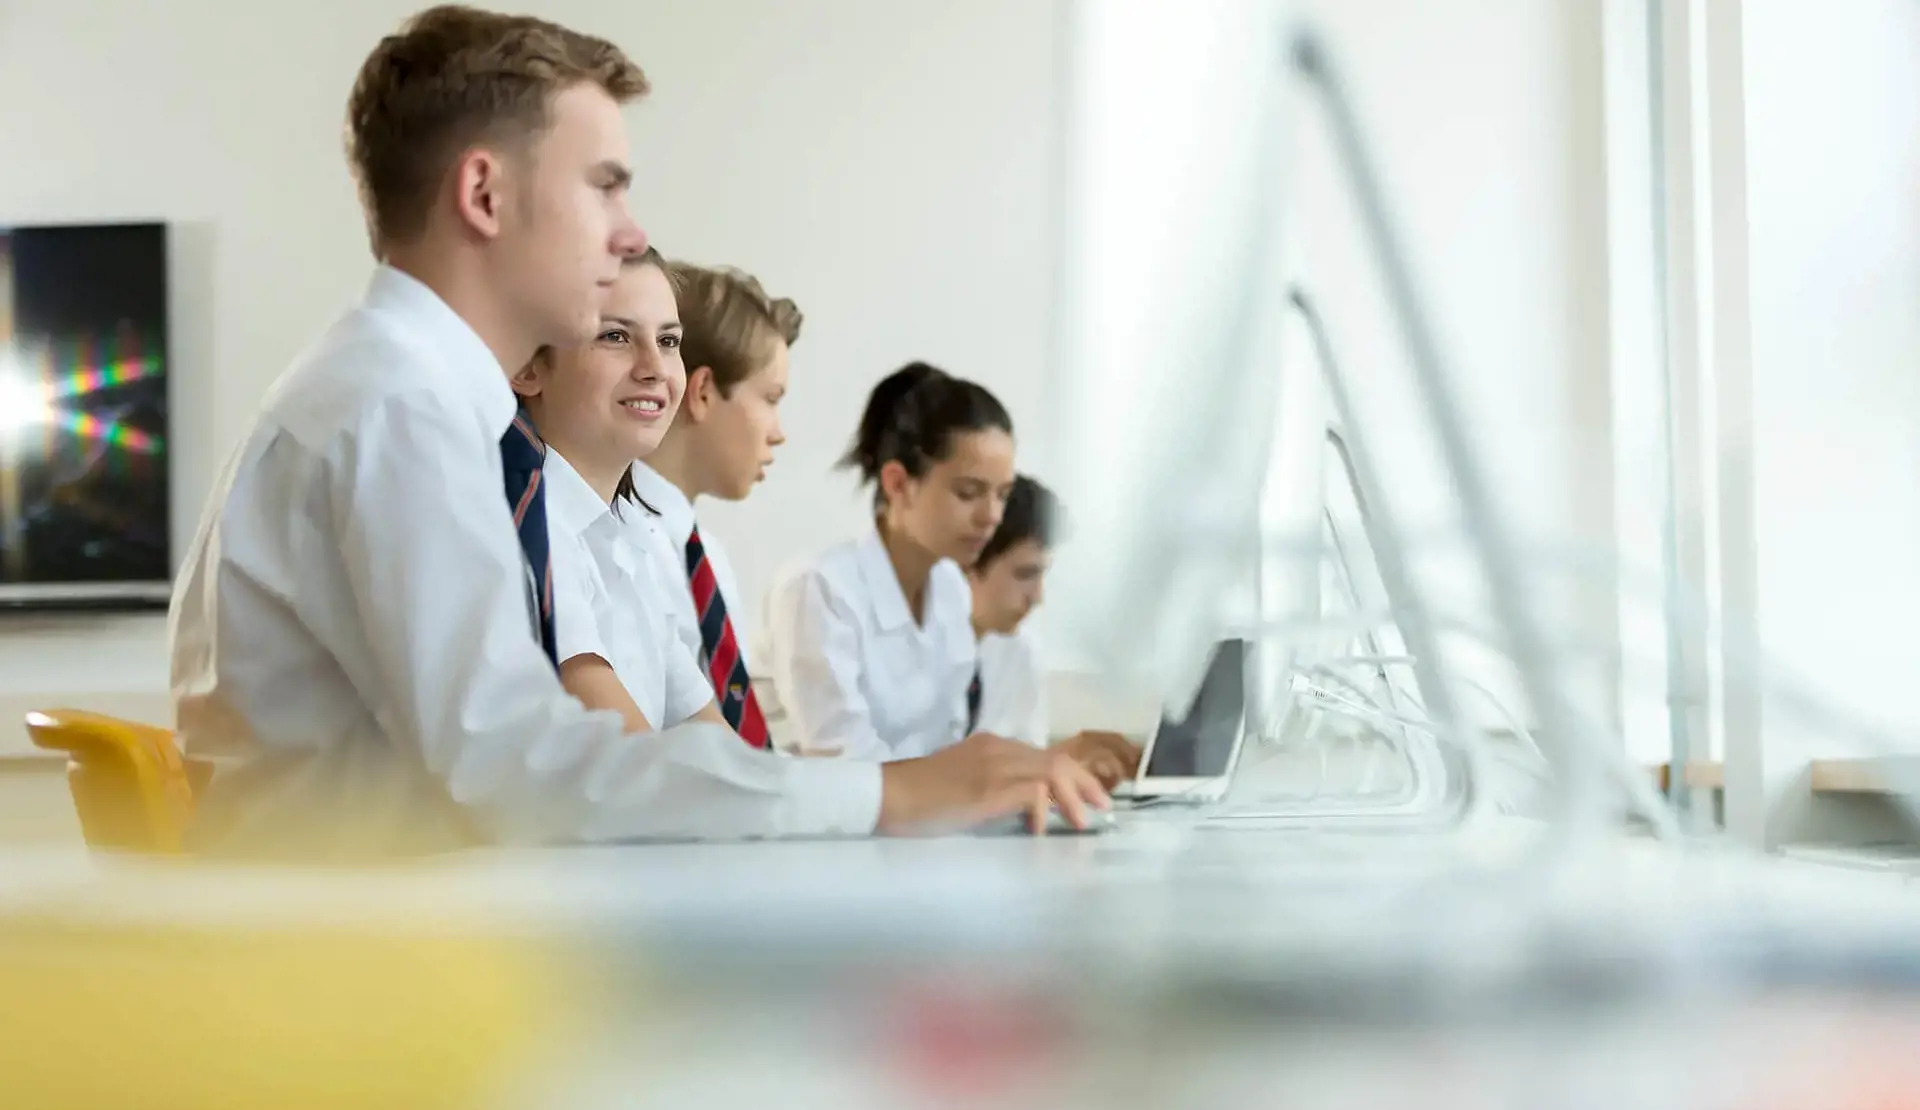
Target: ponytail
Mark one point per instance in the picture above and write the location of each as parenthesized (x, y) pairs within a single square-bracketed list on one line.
[(912, 417)]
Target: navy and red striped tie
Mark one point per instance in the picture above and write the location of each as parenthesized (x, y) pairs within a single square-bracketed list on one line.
[(720, 651), (523, 455)]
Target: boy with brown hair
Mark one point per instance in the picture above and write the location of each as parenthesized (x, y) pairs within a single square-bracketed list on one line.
[(736, 348), (1007, 696), (363, 621)]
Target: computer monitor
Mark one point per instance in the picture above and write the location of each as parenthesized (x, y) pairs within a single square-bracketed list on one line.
[(84, 490), (1173, 324)]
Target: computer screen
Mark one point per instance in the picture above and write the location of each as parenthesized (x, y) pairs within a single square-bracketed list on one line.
[(1172, 317), (84, 491), (1199, 743)]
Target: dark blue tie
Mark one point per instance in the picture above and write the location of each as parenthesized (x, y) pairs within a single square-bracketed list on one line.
[(522, 455), (973, 703)]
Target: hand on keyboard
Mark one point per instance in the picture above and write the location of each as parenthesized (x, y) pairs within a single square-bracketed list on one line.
[(984, 777), (1107, 756)]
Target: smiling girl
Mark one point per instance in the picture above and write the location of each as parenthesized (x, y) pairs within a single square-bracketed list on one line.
[(599, 408)]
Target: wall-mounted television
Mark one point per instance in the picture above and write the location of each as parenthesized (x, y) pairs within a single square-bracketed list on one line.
[(84, 497)]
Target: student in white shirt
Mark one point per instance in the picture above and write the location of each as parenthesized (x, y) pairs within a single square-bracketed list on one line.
[(356, 623), (735, 347), (1008, 694), (871, 641), (599, 407)]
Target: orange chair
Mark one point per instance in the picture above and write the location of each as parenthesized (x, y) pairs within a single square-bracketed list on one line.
[(131, 787)]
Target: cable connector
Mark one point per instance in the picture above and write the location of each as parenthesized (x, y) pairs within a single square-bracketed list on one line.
[(1330, 700)]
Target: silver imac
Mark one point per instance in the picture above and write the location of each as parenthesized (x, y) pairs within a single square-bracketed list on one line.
[(1173, 323)]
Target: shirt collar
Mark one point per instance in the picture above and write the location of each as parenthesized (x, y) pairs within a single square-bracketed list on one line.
[(474, 369), (572, 505), (883, 585), (675, 511)]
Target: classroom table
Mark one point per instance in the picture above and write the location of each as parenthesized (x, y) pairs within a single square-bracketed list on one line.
[(1168, 962)]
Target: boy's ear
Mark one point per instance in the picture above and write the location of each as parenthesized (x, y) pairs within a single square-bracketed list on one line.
[(526, 382), (479, 177), (701, 393)]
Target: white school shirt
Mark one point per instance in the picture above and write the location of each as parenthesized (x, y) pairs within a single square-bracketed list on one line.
[(1013, 700), (608, 600), (851, 669), (667, 538), (353, 623)]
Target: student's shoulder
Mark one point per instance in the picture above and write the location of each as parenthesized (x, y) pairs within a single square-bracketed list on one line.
[(1023, 647), (999, 653), (833, 571), (358, 367), (950, 586)]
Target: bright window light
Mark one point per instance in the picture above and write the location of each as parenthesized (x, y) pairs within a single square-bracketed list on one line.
[(23, 400)]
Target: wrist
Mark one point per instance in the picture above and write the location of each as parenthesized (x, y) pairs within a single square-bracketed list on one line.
[(895, 805)]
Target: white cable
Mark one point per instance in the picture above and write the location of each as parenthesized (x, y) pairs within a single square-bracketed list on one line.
[(1485, 692), (1368, 711), (1365, 711), (1330, 672), (1639, 789), (1386, 715), (1641, 796)]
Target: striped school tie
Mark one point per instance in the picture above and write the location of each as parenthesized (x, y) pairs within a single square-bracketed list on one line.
[(720, 652), (522, 455)]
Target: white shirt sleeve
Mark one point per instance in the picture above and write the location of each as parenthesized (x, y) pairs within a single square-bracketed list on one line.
[(814, 660), (1014, 705), (688, 688), (462, 679), (1024, 713), (576, 626), (1031, 707)]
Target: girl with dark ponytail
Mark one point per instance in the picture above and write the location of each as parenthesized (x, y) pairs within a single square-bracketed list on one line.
[(871, 642)]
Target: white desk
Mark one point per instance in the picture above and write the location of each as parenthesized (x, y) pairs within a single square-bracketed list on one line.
[(1160, 964), (1165, 866)]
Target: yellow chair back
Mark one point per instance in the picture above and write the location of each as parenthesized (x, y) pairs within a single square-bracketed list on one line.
[(131, 787)]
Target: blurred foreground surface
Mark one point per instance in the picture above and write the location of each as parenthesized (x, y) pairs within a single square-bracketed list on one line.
[(1164, 965)]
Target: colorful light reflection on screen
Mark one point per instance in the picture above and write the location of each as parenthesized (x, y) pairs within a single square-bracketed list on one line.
[(60, 382)]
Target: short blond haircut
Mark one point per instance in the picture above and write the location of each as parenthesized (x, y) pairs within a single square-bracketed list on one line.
[(453, 76), (730, 323)]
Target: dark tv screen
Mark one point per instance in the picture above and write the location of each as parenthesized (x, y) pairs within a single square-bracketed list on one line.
[(84, 498)]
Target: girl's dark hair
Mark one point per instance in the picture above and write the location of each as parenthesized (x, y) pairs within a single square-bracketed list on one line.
[(912, 417), (625, 491)]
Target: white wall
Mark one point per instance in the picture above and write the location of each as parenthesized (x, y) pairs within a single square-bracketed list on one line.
[(1832, 114), (891, 165)]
